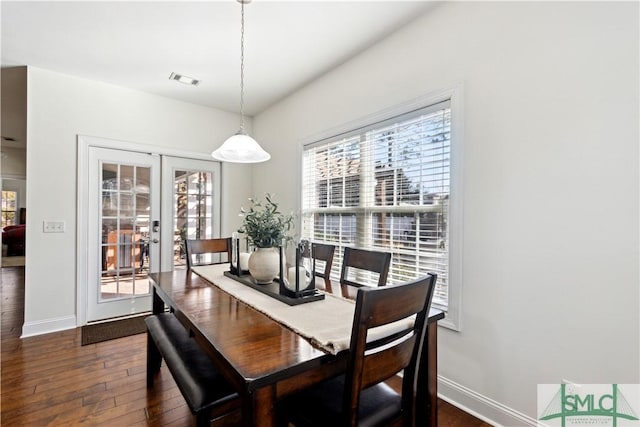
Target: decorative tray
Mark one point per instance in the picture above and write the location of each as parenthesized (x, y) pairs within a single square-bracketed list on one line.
[(273, 290)]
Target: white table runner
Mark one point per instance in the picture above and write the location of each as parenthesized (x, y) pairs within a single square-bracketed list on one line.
[(326, 323)]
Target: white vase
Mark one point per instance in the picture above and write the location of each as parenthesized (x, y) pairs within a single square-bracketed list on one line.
[(263, 265)]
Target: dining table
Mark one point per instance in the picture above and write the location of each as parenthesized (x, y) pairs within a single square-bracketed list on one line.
[(264, 359)]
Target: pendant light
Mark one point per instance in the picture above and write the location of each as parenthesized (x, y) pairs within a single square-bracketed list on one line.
[(241, 148)]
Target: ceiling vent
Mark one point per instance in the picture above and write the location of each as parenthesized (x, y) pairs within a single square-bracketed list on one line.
[(184, 79)]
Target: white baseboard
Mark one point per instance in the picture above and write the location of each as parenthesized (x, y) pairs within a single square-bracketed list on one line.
[(480, 406), (39, 327)]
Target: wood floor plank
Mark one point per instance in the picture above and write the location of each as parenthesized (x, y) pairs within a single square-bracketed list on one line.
[(177, 417), (45, 416), (170, 392), (122, 410), (38, 402), (55, 376), (87, 378), (137, 417)]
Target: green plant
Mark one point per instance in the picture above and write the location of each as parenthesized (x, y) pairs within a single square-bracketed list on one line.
[(264, 224)]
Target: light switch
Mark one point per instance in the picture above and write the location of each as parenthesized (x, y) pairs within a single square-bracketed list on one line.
[(53, 226)]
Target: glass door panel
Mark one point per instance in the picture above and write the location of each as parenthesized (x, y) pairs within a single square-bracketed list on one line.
[(194, 188), (120, 213), (192, 210), (125, 236)]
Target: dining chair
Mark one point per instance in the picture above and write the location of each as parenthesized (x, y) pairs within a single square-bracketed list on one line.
[(360, 397), (324, 253), (199, 247), (361, 259)]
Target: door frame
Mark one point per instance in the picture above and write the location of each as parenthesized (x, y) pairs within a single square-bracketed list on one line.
[(84, 142)]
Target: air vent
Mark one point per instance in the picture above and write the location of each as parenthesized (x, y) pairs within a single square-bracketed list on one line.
[(184, 79)]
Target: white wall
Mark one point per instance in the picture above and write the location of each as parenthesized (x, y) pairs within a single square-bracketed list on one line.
[(59, 108), (550, 184)]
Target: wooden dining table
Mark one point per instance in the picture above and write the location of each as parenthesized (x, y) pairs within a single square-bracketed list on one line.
[(264, 359)]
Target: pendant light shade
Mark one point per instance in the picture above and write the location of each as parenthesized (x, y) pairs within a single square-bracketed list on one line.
[(241, 148)]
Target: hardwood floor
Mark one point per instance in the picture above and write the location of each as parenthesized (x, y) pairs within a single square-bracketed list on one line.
[(53, 380)]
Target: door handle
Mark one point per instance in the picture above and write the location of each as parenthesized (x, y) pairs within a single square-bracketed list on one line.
[(155, 241)]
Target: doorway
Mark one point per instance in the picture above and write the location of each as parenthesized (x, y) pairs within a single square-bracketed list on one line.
[(124, 208), (135, 209)]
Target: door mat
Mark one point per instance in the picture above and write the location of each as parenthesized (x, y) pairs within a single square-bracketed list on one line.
[(105, 331)]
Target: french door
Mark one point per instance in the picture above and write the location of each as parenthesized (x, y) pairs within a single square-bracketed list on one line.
[(141, 207), (190, 206), (124, 231)]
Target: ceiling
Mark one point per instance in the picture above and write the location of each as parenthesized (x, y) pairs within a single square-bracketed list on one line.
[(138, 44)]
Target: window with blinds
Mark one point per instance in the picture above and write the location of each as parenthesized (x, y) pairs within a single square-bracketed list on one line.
[(385, 187)]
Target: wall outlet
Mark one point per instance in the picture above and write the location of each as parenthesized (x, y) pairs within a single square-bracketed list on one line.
[(53, 226)]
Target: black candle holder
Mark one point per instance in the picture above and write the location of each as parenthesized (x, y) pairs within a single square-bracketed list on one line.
[(300, 288), (235, 267), (300, 293)]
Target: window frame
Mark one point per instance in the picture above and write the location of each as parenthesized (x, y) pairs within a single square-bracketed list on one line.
[(455, 96), (7, 211)]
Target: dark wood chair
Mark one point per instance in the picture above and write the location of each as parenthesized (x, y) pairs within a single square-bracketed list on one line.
[(374, 261), (207, 246), (322, 252), (360, 397)]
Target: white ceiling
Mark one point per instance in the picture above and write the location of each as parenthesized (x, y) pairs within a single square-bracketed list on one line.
[(138, 44)]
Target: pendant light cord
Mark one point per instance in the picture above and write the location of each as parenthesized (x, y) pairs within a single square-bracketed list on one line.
[(242, 66), (240, 147)]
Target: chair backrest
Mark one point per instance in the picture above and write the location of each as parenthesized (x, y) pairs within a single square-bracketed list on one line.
[(373, 361), (322, 252), (374, 261), (207, 246)]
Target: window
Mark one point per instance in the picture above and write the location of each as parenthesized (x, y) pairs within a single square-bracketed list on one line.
[(385, 186), (9, 207)]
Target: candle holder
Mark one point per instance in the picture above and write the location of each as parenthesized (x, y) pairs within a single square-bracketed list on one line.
[(239, 260), (298, 281), (292, 289)]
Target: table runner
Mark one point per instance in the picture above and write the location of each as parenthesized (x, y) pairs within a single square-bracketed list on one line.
[(326, 323)]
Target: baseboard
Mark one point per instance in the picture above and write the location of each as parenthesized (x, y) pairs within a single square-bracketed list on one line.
[(39, 327), (480, 406)]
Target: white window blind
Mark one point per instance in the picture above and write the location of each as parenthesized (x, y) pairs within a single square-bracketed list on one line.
[(385, 187)]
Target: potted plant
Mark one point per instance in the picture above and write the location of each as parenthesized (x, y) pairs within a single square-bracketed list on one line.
[(266, 227)]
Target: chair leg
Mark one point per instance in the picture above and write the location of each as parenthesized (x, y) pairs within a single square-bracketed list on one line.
[(154, 360)]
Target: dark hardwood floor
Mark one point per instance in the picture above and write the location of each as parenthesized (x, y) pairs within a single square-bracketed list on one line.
[(53, 380)]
